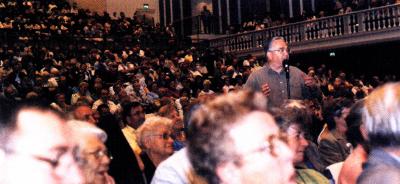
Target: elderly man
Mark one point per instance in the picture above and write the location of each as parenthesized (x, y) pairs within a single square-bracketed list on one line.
[(91, 154), (243, 147), (34, 148), (271, 79), (382, 120)]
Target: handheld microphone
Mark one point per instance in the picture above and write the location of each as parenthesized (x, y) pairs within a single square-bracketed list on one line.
[(286, 68)]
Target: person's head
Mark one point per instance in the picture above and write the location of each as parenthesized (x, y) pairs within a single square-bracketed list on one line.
[(381, 115), (292, 119), (276, 50), (35, 148), (84, 113), (233, 140), (60, 98), (154, 137), (335, 111), (133, 114), (83, 87), (356, 133), (169, 111), (206, 84), (104, 94), (103, 109), (91, 153)]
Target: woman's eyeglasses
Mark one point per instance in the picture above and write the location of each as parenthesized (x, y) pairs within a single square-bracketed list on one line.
[(164, 136)]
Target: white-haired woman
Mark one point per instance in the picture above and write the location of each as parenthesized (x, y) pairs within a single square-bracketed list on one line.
[(91, 154), (154, 137)]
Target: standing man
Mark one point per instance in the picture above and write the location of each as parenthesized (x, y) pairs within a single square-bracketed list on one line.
[(206, 19), (271, 79)]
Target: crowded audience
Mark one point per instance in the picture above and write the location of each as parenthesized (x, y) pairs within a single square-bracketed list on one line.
[(128, 104)]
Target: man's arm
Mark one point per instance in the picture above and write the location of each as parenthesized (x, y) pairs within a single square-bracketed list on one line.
[(310, 90)]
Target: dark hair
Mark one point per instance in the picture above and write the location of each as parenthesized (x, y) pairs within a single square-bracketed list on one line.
[(126, 111), (333, 108), (354, 121), (289, 115)]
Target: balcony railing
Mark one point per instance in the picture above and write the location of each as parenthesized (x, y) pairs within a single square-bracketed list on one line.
[(320, 32)]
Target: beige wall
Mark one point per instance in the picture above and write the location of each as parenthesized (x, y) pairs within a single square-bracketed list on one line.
[(93, 5), (127, 6)]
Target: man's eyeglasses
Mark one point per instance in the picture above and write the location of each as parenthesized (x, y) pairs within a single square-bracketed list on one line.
[(52, 162), (270, 146), (164, 136), (280, 50)]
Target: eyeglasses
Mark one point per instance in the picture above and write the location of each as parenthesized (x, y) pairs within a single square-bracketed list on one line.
[(270, 146), (100, 154), (164, 136), (280, 50), (52, 162)]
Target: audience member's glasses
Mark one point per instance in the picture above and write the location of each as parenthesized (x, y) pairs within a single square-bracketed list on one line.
[(165, 135), (100, 154), (280, 50), (270, 146)]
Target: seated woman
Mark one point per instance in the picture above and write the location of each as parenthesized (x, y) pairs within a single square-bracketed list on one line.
[(291, 121), (154, 138), (91, 153)]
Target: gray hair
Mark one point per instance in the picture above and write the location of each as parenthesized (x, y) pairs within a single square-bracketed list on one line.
[(149, 127), (382, 116), (82, 128)]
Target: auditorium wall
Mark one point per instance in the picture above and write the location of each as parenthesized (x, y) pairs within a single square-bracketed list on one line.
[(129, 7)]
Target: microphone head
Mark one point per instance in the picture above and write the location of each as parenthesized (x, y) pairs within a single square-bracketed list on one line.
[(286, 65)]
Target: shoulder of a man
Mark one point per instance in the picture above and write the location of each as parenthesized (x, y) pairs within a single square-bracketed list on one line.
[(379, 173), (254, 77)]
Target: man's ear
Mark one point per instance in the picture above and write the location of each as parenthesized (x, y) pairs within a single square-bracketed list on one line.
[(147, 142), (268, 55), (228, 173)]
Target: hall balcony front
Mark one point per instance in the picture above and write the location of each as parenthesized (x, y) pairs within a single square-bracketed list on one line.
[(364, 27)]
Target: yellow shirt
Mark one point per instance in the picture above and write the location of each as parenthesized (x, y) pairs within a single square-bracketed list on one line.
[(130, 136)]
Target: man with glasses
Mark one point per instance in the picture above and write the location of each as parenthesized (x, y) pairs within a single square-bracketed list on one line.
[(272, 79), (232, 139), (34, 147)]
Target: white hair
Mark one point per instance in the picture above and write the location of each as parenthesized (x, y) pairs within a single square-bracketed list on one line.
[(151, 125), (82, 128)]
